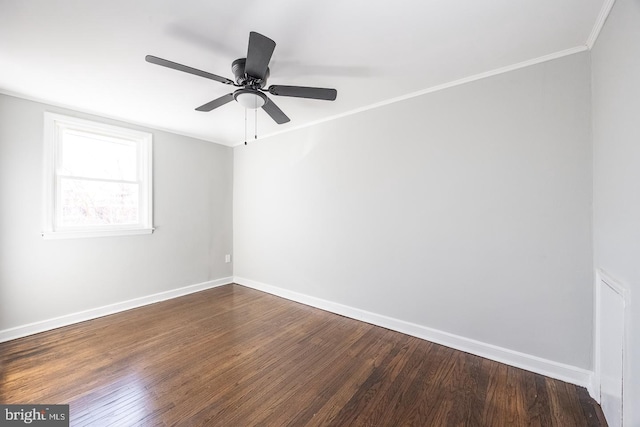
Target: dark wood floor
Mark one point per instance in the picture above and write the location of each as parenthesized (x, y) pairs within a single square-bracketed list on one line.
[(233, 356)]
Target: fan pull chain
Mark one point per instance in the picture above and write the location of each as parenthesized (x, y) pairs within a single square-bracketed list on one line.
[(245, 126), (255, 128)]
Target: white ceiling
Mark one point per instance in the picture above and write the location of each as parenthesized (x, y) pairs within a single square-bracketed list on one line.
[(89, 55)]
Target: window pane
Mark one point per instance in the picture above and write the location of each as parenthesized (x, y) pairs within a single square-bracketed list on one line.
[(92, 156), (98, 203)]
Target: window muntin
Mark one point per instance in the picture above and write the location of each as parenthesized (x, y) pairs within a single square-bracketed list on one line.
[(97, 179)]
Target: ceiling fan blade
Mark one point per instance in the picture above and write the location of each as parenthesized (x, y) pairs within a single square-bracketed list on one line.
[(258, 55), (304, 92), (216, 103), (174, 65), (274, 112)]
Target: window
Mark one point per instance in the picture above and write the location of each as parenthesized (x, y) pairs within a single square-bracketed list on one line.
[(97, 179)]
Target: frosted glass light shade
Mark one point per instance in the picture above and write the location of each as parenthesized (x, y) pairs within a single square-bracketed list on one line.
[(250, 99)]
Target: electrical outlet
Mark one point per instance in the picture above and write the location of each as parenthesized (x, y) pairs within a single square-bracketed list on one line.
[(227, 258)]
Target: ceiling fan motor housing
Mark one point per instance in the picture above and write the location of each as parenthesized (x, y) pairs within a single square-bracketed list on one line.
[(237, 68)]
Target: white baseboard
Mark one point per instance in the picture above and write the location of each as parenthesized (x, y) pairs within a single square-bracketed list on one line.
[(593, 387), (68, 319), (549, 368)]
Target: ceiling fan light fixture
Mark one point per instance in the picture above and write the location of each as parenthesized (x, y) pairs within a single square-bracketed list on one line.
[(250, 99)]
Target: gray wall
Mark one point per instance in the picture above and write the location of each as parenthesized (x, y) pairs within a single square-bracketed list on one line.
[(616, 136), (41, 279), (466, 210)]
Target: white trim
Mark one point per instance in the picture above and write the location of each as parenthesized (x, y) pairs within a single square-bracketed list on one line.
[(593, 388), (55, 126), (613, 284), (595, 381), (54, 235), (465, 80), (597, 295), (549, 368), (603, 277), (599, 24), (69, 319)]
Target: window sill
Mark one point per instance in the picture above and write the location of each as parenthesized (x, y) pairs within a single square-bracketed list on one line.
[(54, 235)]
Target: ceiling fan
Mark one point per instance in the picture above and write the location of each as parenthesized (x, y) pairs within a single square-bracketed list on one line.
[(251, 75)]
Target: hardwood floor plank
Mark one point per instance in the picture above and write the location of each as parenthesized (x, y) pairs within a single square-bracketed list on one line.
[(469, 392), (591, 410), (398, 376), (436, 388), (233, 356), (303, 374), (411, 385), (328, 391), (368, 392)]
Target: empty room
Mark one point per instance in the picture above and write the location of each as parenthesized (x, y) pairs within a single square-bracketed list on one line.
[(319, 213)]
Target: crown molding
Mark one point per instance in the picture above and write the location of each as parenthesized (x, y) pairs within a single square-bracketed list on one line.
[(602, 18), (459, 82)]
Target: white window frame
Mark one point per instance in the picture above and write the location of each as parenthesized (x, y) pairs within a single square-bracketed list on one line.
[(54, 126)]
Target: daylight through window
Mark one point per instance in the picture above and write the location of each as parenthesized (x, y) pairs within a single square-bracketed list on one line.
[(97, 179)]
